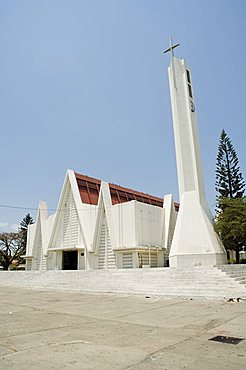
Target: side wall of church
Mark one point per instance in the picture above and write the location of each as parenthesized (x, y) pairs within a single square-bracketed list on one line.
[(149, 225), (125, 224)]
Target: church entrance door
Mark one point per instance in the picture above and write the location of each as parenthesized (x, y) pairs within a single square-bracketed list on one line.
[(70, 260)]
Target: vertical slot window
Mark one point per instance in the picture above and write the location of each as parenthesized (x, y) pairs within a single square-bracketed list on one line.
[(189, 83), (188, 76), (190, 91)]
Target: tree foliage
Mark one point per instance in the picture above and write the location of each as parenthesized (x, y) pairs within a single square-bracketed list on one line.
[(231, 223), (11, 248), (229, 179), (13, 245), (27, 220)]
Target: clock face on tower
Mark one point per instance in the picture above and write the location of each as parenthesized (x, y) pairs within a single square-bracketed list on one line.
[(192, 106)]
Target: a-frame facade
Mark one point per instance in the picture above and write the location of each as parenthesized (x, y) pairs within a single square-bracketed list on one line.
[(98, 225), (37, 240)]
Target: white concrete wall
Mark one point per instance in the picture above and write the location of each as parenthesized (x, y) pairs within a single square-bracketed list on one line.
[(51, 261), (149, 225), (90, 261), (30, 239), (90, 213), (81, 260), (124, 224), (58, 260)]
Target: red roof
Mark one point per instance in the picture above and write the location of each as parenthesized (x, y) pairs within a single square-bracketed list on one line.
[(89, 189)]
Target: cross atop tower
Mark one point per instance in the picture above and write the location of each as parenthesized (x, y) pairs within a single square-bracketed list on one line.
[(171, 47)]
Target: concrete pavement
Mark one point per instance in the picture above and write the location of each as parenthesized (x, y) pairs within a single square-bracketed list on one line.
[(54, 330)]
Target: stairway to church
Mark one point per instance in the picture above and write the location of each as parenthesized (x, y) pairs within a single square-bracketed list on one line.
[(196, 282), (237, 272)]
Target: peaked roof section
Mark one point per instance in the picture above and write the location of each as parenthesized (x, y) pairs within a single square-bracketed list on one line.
[(89, 189), (122, 195)]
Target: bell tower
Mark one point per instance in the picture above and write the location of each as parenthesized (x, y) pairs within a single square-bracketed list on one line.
[(194, 241)]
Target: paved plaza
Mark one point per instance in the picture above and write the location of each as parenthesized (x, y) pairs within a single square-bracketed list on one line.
[(62, 330)]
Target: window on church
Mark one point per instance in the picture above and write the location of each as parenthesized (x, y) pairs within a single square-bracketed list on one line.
[(189, 83), (188, 76), (190, 91)]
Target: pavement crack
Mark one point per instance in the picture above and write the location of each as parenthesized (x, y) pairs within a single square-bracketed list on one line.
[(212, 324), (146, 310), (8, 347), (154, 355), (70, 342), (44, 345), (41, 330), (23, 306)]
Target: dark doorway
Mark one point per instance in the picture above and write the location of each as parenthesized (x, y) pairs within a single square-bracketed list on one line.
[(70, 260)]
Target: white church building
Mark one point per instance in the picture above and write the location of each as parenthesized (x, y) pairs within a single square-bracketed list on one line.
[(98, 225)]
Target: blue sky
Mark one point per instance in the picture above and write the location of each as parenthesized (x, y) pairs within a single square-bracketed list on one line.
[(84, 86)]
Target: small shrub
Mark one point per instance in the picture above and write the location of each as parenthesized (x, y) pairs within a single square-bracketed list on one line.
[(231, 261)]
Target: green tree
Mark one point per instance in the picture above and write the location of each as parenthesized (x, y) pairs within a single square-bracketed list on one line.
[(231, 224), (27, 220), (11, 248), (229, 179), (13, 245)]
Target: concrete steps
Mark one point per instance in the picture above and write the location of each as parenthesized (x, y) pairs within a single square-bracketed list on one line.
[(236, 272), (196, 282)]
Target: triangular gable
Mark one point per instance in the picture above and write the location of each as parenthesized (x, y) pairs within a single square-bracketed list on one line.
[(106, 256), (37, 231), (37, 247), (70, 228), (70, 212), (104, 208), (38, 252), (43, 216), (35, 239)]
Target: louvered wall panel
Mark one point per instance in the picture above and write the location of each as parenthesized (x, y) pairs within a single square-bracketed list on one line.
[(66, 220), (70, 222), (39, 254), (43, 264), (102, 248), (111, 255), (144, 259), (154, 260), (106, 256), (127, 260), (28, 264), (111, 260), (74, 224)]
